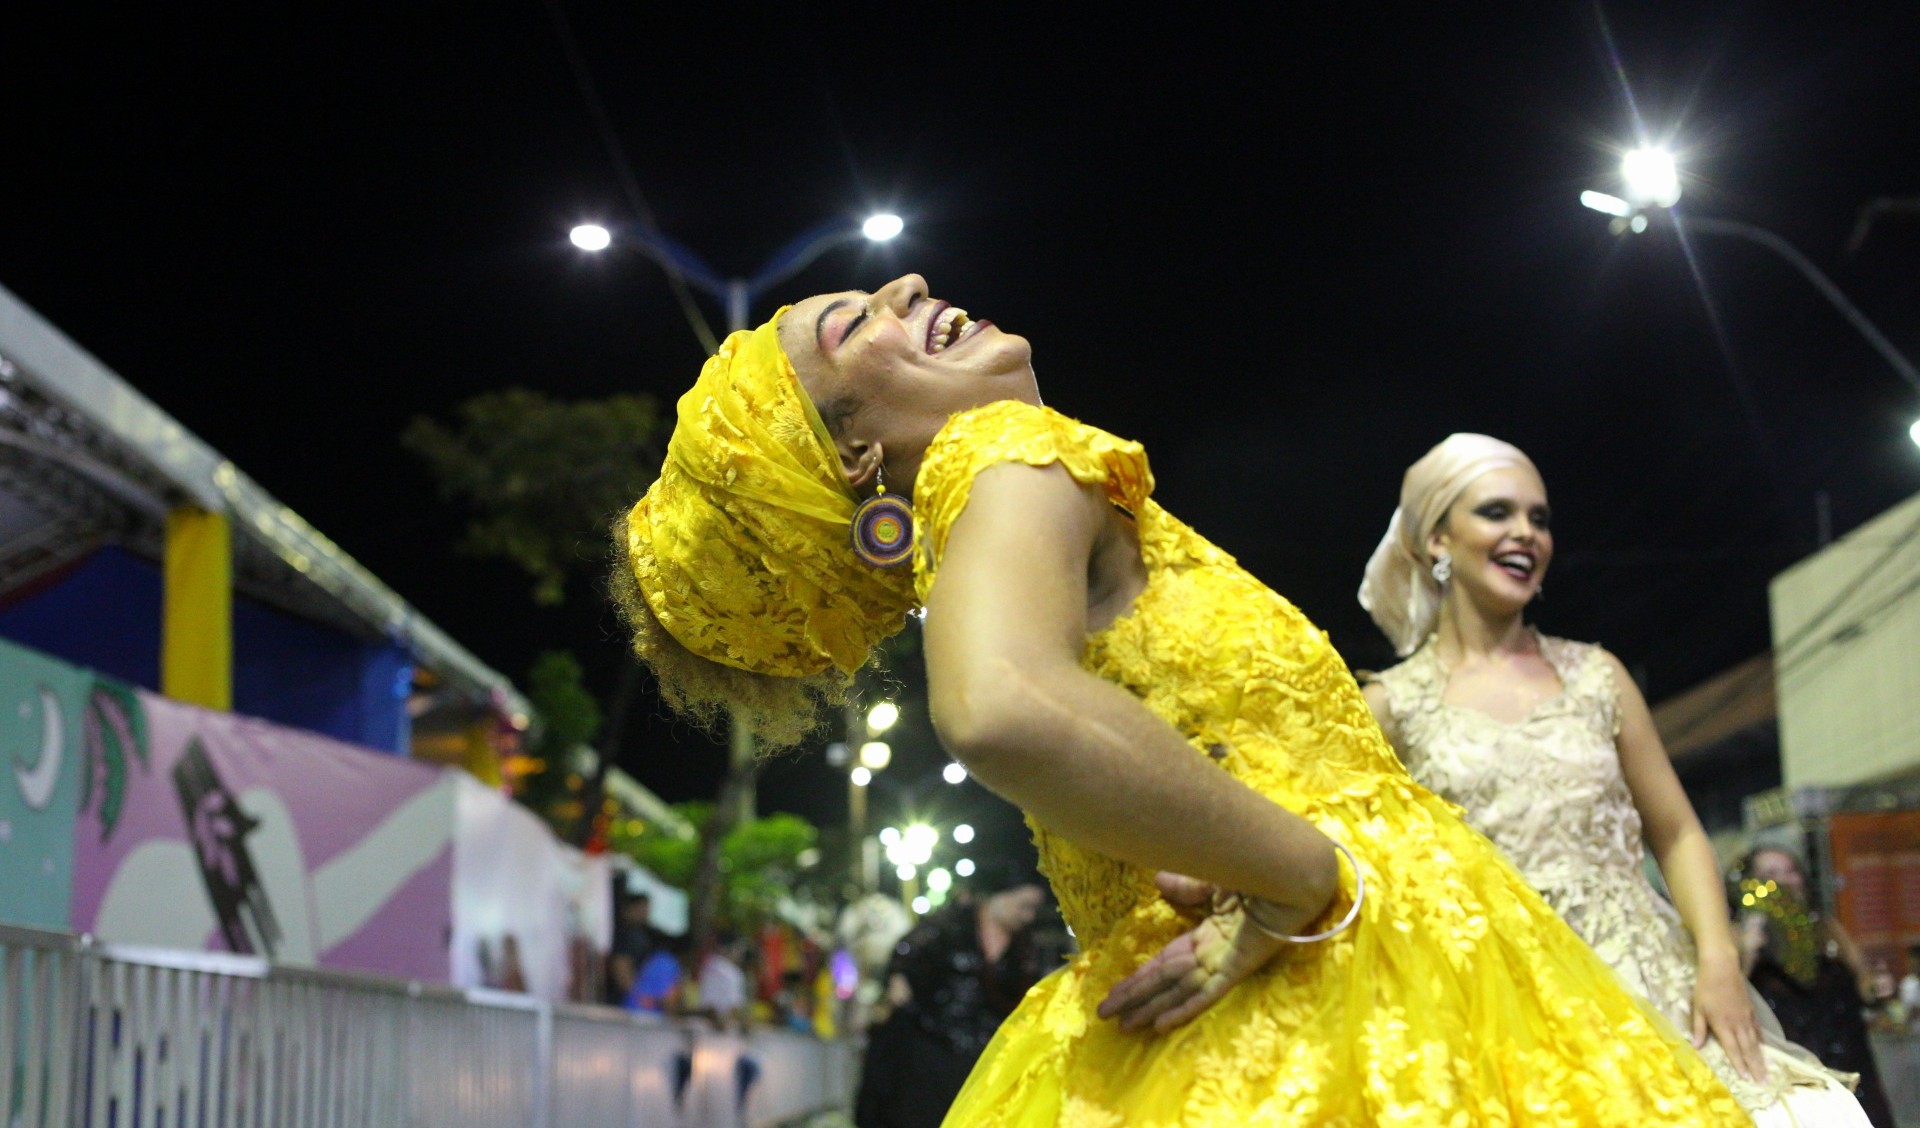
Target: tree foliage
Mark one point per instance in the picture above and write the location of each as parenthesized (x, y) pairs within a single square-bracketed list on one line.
[(568, 717), (759, 859), (540, 477), (569, 714)]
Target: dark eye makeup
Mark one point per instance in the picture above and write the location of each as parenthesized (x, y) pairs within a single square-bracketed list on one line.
[(1541, 517)]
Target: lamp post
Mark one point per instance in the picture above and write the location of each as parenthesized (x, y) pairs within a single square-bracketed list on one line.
[(737, 295), (1652, 187), (865, 758)]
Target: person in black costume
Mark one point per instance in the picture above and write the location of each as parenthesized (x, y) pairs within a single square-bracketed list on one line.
[(1810, 972), (951, 982)]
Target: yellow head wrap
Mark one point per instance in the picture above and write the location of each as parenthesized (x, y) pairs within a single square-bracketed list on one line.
[(741, 545)]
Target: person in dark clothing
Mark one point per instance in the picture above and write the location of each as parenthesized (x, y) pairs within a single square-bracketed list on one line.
[(951, 982), (634, 939), (1809, 971)]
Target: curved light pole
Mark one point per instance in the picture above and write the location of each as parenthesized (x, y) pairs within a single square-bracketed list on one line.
[(738, 294), (1653, 186)]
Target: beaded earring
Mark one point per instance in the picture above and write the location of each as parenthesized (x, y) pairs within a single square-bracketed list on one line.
[(1442, 569), (883, 528)]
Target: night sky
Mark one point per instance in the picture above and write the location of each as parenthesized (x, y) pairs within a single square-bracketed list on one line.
[(1289, 255)]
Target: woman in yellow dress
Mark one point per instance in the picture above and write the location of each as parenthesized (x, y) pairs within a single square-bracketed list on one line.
[(1346, 950)]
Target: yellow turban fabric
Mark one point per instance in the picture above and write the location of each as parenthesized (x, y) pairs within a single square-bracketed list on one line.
[(1399, 590), (741, 545)]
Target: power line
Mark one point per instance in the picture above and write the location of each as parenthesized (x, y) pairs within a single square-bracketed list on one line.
[(623, 171), (1793, 653)]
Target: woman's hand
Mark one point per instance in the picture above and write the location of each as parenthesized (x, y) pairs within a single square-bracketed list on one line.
[(1198, 967), (1722, 1005)]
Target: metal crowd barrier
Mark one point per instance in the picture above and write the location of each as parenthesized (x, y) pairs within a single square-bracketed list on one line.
[(105, 1036)]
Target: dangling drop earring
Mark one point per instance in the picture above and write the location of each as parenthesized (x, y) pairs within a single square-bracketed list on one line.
[(1442, 569), (882, 533)]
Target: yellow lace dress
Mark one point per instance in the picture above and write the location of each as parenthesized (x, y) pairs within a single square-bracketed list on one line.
[(1549, 792), (1458, 998)]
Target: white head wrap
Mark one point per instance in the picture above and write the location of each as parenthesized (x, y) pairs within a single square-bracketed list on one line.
[(1399, 590)]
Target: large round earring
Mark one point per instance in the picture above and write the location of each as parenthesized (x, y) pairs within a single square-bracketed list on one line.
[(882, 533), (1442, 569)]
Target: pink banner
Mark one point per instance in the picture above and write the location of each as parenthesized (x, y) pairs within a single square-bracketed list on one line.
[(232, 834)]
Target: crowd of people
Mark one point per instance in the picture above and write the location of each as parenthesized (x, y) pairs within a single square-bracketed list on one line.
[(1295, 899), (775, 976)]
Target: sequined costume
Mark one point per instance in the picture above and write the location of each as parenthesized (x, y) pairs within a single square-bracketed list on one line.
[(1457, 999), (1549, 792)]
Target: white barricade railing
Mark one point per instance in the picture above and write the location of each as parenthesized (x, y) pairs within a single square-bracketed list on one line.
[(39, 976), (103, 1036)]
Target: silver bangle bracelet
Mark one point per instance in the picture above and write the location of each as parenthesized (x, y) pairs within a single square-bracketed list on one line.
[(1353, 912)]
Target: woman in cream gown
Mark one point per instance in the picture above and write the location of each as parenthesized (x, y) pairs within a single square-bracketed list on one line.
[(1549, 749)]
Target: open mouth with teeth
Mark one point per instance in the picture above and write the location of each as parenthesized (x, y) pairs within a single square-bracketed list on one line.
[(1519, 565), (949, 327)]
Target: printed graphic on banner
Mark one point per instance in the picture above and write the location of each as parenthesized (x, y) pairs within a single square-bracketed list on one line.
[(42, 703), (1876, 856), (208, 830)]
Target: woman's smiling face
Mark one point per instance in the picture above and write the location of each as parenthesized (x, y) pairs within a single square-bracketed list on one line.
[(887, 369), (1499, 536)]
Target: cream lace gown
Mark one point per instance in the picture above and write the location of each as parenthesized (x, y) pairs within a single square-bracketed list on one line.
[(1549, 791)]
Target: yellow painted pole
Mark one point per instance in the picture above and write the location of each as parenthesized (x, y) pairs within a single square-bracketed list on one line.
[(196, 628)]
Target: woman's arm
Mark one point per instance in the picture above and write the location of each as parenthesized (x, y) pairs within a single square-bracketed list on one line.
[(1376, 695), (1720, 1000), (1849, 953), (1006, 625)]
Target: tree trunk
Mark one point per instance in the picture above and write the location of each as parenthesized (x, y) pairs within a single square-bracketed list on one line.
[(734, 806), (594, 795)]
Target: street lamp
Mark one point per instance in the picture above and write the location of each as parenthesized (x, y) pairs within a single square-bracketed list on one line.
[(1652, 186), (591, 237), (1652, 178), (738, 294), (881, 717)]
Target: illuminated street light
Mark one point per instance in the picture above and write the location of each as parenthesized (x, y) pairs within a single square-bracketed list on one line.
[(860, 777), (882, 227), (954, 773), (964, 867), (939, 881), (963, 834), (905, 872), (1913, 432), (876, 754), (889, 836), (1652, 178), (922, 906), (881, 717), (1611, 205), (591, 237), (737, 294)]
